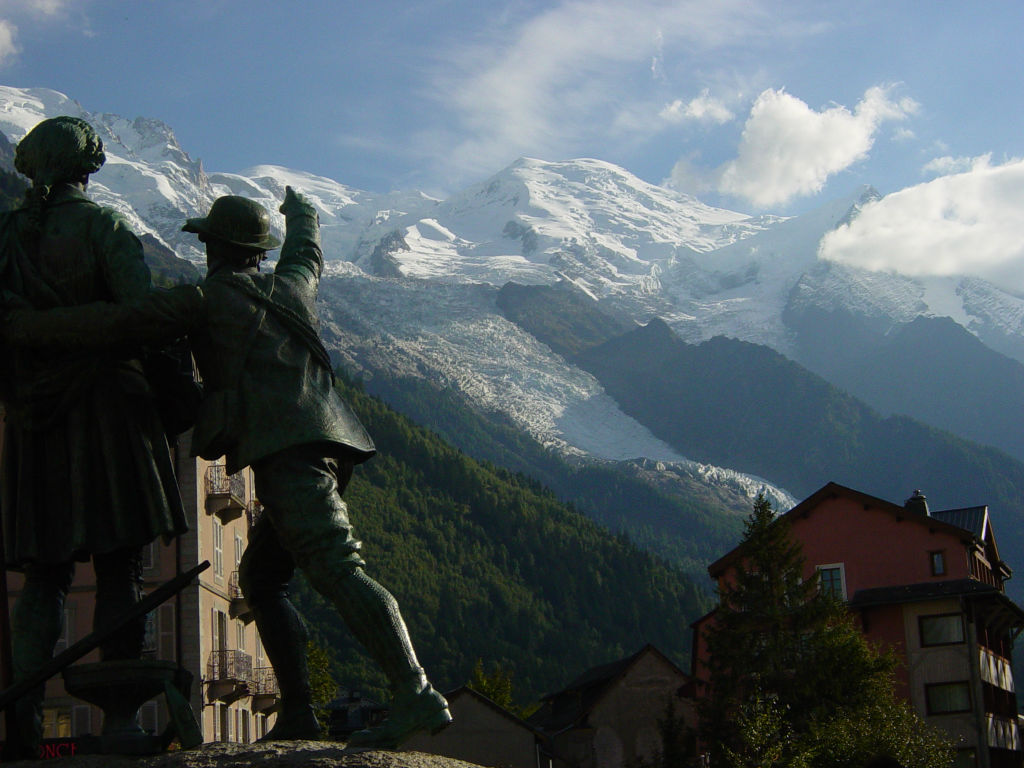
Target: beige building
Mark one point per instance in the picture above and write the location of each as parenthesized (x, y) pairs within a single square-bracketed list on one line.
[(609, 716), (205, 627), (484, 733)]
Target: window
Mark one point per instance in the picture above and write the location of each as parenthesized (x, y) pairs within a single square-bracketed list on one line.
[(948, 698), (167, 647), (239, 548), (832, 580), (56, 722), (220, 630), (944, 629), (240, 635), (149, 556), (81, 720), (218, 549), (67, 631), (938, 561), (149, 638)]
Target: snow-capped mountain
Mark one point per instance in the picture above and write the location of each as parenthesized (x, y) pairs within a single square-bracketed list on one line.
[(411, 282)]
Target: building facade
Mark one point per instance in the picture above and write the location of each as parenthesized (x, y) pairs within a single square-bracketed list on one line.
[(929, 585), (610, 716), (206, 628)]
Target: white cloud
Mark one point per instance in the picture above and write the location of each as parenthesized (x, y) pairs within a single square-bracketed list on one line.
[(49, 8), (788, 149), (943, 166), (703, 108), (579, 73), (8, 42), (21, 14), (965, 223)]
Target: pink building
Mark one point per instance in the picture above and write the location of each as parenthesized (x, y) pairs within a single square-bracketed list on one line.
[(929, 584)]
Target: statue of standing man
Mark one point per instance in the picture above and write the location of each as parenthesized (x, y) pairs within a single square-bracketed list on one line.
[(86, 469)]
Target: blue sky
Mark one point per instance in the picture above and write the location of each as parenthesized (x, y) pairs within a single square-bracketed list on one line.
[(752, 105)]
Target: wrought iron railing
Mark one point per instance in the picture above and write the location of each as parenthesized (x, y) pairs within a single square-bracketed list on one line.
[(234, 589), (229, 664), (219, 481), (255, 512), (264, 682)]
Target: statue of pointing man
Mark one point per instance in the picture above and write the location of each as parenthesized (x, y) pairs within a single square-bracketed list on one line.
[(270, 403)]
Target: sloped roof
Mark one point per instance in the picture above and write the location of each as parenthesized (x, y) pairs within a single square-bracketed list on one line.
[(466, 691), (973, 519), (1000, 611), (571, 705), (913, 593), (945, 521)]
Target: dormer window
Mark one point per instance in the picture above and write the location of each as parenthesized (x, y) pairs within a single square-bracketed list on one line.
[(938, 561)]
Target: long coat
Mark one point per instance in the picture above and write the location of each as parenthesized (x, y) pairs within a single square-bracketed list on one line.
[(267, 378), (86, 467)]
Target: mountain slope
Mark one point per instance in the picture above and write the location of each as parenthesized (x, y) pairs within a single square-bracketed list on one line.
[(731, 400), (486, 566), (934, 370)]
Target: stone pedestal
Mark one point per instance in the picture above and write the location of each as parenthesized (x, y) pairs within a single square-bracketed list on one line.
[(119, 688)]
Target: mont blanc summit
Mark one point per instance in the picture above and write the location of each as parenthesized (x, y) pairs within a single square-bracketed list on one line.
[(413, 282)]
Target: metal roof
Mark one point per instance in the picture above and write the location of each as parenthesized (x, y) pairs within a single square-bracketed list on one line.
[(971, 519)]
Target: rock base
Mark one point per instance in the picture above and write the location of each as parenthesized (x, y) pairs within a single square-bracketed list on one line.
[(275, 754)]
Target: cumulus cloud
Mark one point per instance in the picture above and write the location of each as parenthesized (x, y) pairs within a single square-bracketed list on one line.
[(788, 149), (963, 223), (704, 108), (8, 42), (943, 166)]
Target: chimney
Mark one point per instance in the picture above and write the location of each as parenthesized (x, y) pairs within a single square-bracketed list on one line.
[(917, 504)]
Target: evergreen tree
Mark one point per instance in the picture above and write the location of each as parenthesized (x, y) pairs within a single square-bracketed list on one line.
[(792, 679), (496, 685), (321, 681)]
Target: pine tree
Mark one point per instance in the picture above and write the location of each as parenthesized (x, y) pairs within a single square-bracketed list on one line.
[(787, 659)]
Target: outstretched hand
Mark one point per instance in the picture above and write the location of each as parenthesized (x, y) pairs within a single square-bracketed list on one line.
[(295, 202)]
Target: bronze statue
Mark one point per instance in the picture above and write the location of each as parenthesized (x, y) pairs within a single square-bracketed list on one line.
[(271, 403), (86, 469)]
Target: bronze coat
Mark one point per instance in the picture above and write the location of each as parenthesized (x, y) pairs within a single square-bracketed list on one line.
[(86, 467)]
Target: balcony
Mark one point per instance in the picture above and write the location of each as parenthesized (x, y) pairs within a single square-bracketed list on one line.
[(225, 494), (228, 675), (238, 608), (264, 689), (255, 512)]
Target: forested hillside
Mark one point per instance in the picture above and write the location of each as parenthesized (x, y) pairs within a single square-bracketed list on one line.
[(687, 522), (489, 565)]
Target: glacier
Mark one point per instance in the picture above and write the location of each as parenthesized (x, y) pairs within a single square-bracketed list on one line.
[(410, 280)]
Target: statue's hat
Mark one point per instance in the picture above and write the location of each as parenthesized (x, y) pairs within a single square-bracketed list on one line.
[(236, 220)]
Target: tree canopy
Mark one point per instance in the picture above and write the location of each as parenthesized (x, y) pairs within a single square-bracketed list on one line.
[(793, 681)]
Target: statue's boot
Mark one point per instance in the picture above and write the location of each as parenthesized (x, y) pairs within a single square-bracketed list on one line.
[(284, 638), (372, 615)]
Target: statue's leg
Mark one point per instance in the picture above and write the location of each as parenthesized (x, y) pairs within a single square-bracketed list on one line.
[(264, 573), (35, 628), (312, 523), (118, 589)]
